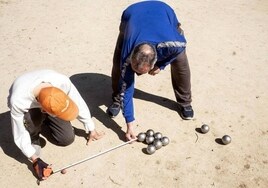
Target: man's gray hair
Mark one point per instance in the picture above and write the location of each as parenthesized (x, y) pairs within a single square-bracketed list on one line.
[(144, 53)]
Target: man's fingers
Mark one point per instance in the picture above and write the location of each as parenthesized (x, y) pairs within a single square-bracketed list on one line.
[(130, 137), (99, 135), (95, 137), (89, 140), (49, 166)]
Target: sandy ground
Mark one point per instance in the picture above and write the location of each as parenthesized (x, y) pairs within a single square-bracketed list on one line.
[(227, 50)]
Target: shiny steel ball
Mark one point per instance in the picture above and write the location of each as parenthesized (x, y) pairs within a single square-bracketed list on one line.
[(150, 149), (157, 135), (150, 132), (204, 128), (226, 139), (149, 139), (165, 141), (141, 137), (157, 143)]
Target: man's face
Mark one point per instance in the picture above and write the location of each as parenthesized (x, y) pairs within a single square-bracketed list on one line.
[(140, 69)]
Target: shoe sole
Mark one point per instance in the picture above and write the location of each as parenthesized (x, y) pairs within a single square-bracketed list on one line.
[(188, 118), (185, 118), (109, 114)]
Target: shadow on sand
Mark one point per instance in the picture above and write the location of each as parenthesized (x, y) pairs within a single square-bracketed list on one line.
[(96, 91)]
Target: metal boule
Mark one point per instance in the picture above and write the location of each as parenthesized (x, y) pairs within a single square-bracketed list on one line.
[(149, 139), (165, 141), (150, 149), (157, 143), (150, 132), (204, 128), (157, 135), (141, 137), (226, 139)]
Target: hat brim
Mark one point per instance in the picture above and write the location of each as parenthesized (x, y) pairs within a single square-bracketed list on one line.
[(70, 113)]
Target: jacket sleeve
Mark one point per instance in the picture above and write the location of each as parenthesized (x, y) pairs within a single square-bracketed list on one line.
[(126, 85), (84, 115), (21, 136), (168, 53), (172, 17)]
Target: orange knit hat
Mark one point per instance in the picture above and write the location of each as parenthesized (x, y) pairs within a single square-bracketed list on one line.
[(55, 102)]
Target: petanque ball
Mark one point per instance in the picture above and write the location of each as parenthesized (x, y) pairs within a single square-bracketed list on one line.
[(63, 171), (157, 135), (165, 141), (226, 139), (204, 128), (150, 149), (141, 137), (149, 139), (157, 143), (150, 132)]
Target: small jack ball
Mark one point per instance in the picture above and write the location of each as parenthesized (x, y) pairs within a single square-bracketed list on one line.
[(63, 171), (204, 128), (226, 139)]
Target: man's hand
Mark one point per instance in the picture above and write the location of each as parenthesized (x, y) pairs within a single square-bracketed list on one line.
[(180, 30), (94, 135), (154, 71), (42, 169), (130, 135)]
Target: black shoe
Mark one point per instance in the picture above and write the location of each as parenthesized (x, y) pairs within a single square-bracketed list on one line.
[(186, 112), (114, 109)]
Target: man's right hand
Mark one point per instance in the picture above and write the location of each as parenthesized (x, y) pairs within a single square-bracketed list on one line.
[(94, 135), (180, 30), (154, 70), (42, 169), (130, 135)]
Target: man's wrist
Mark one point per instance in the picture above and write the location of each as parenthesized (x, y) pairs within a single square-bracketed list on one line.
[(130, 124), (34, 158)]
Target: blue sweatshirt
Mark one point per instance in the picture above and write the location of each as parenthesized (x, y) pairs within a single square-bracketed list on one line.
[(153, 22)]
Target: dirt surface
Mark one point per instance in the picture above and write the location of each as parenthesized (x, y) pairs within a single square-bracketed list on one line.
[(227, 51)]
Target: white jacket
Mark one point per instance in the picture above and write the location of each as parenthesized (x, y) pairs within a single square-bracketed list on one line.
[(21, 99)]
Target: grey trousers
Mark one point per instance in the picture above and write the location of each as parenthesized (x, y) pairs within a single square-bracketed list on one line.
[(180, 75), (61, 131)]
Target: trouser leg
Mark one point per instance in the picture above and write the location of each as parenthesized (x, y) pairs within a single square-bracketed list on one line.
[(181, 79), (33, 120), (61, 131), (116, 67), (114, 108)]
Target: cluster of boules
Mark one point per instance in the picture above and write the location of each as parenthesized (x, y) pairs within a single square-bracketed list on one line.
[(155, 140)]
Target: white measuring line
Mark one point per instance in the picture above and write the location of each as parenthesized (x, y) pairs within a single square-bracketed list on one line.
[(94, 156)]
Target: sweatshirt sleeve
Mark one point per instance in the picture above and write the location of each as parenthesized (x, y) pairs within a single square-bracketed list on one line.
[(21, 136), (168, 51), (126, 85), (84, 115)]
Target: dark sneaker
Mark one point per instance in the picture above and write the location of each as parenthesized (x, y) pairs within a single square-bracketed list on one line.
[(114, 109), (186, 112)]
